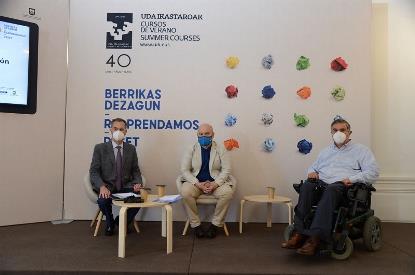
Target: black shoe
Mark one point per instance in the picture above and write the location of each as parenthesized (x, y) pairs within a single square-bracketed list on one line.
[(199, 231), (211, 233), (109, 231)]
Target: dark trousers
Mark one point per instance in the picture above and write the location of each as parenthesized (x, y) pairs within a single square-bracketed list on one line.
[(327, 198), (105, 205)]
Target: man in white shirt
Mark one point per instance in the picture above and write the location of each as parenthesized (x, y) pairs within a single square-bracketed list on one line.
[(337, 167)]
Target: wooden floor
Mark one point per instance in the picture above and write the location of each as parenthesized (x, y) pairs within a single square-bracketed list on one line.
[(44, 248)]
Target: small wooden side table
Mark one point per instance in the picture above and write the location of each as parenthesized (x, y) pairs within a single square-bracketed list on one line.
[(166, 223), (269, 202)]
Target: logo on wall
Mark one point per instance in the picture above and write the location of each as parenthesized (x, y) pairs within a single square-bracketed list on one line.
[(31, 14), (120, 34)]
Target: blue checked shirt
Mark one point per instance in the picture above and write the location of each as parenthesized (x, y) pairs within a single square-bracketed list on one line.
[(353, 161)]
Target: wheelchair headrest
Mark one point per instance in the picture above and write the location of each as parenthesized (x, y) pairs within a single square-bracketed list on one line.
[(297, 187)]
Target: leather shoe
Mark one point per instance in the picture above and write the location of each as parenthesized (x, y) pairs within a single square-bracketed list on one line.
[(109, 231), (296, 241), (310, 247), (211, 232), (199, 231)]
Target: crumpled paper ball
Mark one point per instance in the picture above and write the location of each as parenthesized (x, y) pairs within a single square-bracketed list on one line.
[(304, 146), (338, 93), (231, 91), (301, 120), (267, 62), (303, 63), (267, 118), (269, 145), (230, 120), (304, 92), (268, 92), (338, 64), (232, 62), (231, 143)]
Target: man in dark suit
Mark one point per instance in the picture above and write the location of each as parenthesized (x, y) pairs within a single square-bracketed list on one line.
[(114, 169)]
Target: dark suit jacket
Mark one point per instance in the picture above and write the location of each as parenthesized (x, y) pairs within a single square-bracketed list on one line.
[(102, 170)]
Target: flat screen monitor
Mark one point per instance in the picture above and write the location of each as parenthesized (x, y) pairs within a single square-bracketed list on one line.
[(18, 65)]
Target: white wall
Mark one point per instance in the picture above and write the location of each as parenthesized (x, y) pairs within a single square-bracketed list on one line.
[(193, 78), (393, 112), (31, 146), (31, 162)]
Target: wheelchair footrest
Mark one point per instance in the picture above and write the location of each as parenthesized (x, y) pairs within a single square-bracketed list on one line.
[(339, 243)]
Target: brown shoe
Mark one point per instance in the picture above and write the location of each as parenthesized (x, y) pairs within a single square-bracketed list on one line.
[(310, 247), (294, 242)]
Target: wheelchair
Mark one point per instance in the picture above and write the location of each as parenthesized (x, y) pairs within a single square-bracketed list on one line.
[(353, 220)]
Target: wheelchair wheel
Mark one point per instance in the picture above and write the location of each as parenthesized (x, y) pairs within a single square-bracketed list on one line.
[(345, 252), (372, 233), (288, 232)]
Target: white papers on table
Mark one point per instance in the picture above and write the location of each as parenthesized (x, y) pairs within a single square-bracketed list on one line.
[(124, 195), (169, 198)]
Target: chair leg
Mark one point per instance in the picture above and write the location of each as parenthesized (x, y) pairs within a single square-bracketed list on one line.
[(94, 219), (186, 226), (241, 216), (225, 228), (98, 223), (137, 229)]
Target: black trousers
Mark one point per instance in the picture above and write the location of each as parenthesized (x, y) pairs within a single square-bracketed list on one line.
[(105, 205), (327, 198)]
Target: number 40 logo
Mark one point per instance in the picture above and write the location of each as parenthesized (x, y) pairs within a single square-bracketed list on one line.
[(123, 60)]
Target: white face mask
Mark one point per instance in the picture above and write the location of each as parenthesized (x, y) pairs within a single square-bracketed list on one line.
[(339, 137), (118, 135)]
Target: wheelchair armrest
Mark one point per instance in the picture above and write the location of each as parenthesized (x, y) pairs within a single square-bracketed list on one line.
[(371, 188), (360, 192), (366, 186)]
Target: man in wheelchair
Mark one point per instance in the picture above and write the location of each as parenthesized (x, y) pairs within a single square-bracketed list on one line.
[(339, 169)]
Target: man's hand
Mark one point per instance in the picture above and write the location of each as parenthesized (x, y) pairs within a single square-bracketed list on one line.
[(211, 186), (201, 186), (104, 192), (347, 182), (137, 187), (313, 175)]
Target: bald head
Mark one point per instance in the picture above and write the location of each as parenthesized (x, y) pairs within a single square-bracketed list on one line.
[(205, 130)]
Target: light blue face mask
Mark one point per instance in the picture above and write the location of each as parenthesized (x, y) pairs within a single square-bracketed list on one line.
[(204, 141)]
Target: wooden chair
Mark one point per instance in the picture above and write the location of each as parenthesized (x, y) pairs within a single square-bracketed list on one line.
[(204, 200), (93, 197)]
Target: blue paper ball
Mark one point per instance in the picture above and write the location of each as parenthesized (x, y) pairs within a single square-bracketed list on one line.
[(304, 146), (268, 92), (230, 120), (269, 145)]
